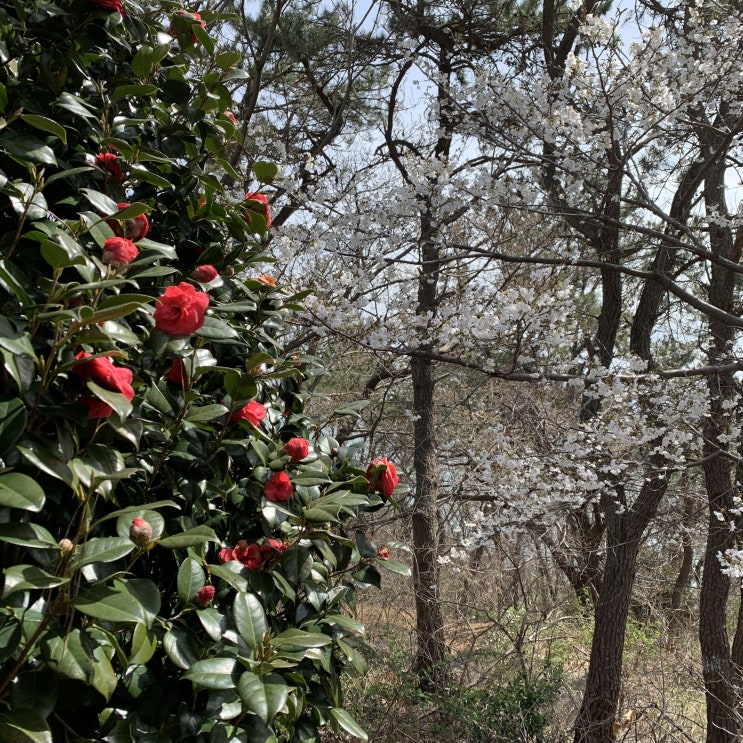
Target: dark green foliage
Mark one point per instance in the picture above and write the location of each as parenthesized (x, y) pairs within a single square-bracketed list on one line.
[(123, 480)]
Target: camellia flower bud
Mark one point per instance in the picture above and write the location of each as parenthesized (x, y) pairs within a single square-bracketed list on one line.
[(140, 532), (204, 596), (66, 547), (384, 552), (204, 274)]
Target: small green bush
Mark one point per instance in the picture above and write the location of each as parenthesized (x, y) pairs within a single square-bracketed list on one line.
[(518, 712)]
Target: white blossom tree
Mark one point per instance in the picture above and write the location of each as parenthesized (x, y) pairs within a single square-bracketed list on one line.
[(574, 161)]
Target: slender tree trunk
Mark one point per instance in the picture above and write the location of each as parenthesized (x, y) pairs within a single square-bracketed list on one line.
[(431, 650), (595, 722), (722, 723), (683, 579)]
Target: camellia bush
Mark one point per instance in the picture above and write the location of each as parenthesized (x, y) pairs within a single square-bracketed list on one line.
[(177, 544)]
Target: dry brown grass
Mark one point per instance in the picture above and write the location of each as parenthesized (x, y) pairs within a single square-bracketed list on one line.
[(491, 640)]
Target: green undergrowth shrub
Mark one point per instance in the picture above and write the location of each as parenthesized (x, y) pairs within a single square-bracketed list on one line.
[(517, 712), (175, 564)]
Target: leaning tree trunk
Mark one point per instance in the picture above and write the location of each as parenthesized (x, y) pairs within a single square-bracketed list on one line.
[(595, 722)]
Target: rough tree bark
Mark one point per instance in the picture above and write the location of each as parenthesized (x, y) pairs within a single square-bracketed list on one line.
[(722, 721)]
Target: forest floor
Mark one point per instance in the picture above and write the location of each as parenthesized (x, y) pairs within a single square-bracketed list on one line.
[(517, 672)]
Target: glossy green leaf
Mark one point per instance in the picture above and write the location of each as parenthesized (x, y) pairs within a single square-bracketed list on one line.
[(205, 412), (189, 538), (354, 626), (47, 462), (29, 577), (214, 673), (122, 407), (347, 723), (216, 329), (12, 422), (102, 549), (104, 677), (265, 172), (27, 534), (144, 644), (296, 564), (128, 91), (104, 204), (126, 601), (24, 726), (297, 638), (10, 636), (264, 696), (35, 690), (20, 491), (45, 124), (75, 105), (214, 623), (190, 579), (124, 516), (250, 618), (181, 647), (234, 576), (25, 147), (395, 567), (153, 518), (71, 655), (225, 60), (113, 313)]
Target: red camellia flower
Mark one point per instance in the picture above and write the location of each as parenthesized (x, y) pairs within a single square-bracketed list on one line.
[(273, 546), (180, 310), (249, 555), (265, 211), (133, 229), (384, 552), (105, 374), (140, 532), (97, 408), (204, 274), (119, 252), (113, 5), (194, 17), (297, 449), (253, 412), (204, 596), (279, 488), (226, 554), (177, 373), (107, 161), (382, 477)]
